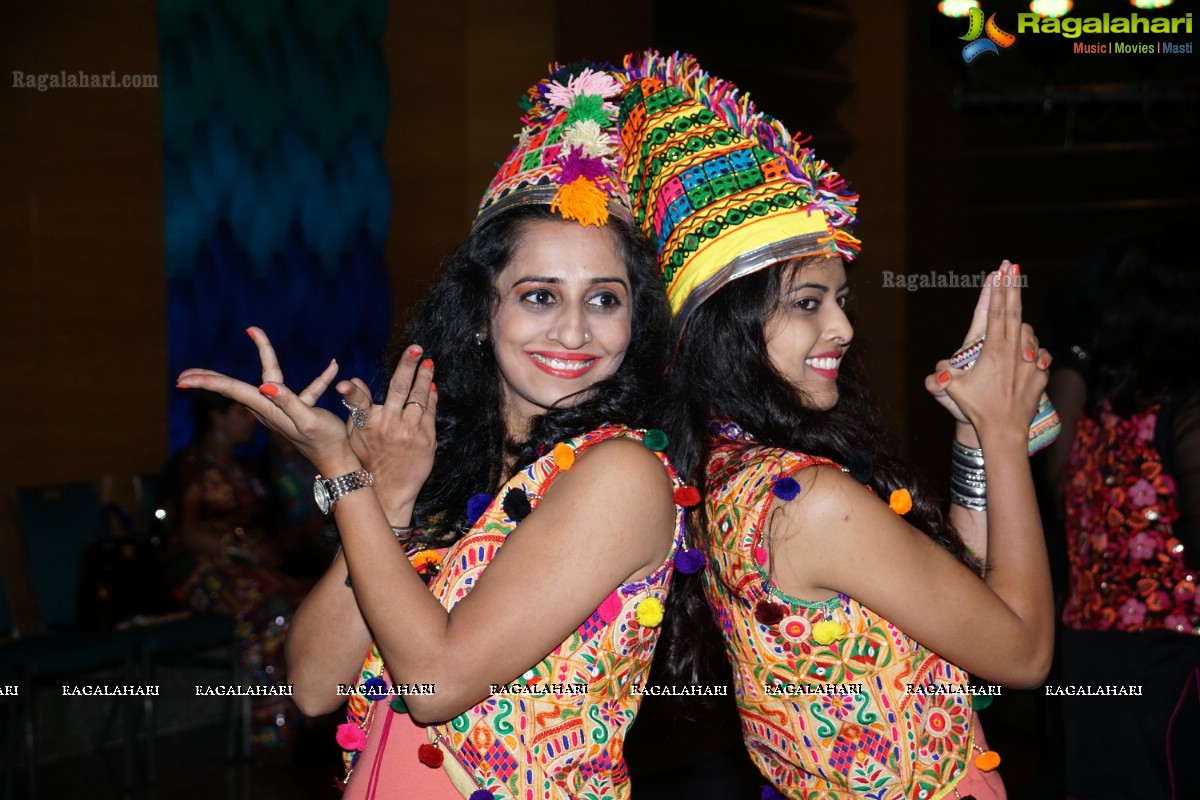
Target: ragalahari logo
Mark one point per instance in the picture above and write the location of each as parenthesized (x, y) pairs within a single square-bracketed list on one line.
[(996, 38)]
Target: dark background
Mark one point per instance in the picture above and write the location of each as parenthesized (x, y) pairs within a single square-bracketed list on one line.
[(1037, 155)]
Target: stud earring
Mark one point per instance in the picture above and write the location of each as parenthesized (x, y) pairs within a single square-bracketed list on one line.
[(480, 338)]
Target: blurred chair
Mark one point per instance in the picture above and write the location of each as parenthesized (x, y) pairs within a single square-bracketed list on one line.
[(184, 641), (57, 523)]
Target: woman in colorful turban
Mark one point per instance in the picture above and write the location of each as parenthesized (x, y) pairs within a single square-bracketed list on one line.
[(852, 608), (514, 673)]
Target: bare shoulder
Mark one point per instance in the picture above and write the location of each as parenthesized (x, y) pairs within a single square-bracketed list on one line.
[(618, 468), (621, 476), (833, 508), (622, 453)]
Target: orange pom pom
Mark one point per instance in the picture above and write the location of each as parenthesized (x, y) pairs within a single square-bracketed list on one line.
[(426, 558), (900, 501), (581, 200), (987, 761), (564, 455)]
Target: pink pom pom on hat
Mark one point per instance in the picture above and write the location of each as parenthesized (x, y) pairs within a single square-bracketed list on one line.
[(567, 154)]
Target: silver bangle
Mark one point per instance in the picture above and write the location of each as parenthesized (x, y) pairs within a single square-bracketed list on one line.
[(970, 457), (404, 534), (969, 503), (968, 480)]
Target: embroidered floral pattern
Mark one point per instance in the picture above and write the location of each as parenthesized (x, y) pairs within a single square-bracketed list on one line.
[(549, 744), (1127, 570), (875, 739)]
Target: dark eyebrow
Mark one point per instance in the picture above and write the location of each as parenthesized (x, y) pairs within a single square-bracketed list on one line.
[(557, 281), (844, 287)]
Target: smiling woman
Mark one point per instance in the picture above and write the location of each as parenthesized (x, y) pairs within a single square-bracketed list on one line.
[(807, 332), (832, 571), (546, 526), (561, 321)]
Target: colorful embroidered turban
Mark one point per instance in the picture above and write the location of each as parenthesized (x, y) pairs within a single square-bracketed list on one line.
[(567, 154), (722, 188)]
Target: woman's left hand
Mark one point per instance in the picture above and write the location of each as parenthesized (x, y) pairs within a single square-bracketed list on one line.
[(318, 434), (937, 383)]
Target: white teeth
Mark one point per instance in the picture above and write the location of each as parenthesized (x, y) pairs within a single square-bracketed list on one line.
[(558, 363), (823, 363)]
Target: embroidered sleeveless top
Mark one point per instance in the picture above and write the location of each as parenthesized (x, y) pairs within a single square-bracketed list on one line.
[(1127, 571), (835, 701), (558, 733)]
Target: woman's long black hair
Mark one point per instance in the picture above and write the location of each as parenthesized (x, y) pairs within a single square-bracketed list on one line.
[(471, 445), (721, 369)]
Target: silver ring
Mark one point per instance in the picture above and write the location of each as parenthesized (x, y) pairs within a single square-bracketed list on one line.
[(357, 415)]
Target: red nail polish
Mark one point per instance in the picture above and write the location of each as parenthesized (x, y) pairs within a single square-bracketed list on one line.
[(427, 363), (269, 390), (1043, 363), (943, 377), (1029, 354), (432, 386), (182, 386), (414, 351), (250, 333), (1016, 269)]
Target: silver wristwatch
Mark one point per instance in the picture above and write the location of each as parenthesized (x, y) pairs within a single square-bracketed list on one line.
[(327, 491)]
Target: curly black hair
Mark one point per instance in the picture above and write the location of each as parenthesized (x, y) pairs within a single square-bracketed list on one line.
[(471, 443)]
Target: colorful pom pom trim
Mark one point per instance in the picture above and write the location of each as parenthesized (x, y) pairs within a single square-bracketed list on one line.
[(689, 562), (564, 456), (610, 609), (351, 737), (476, 506), (687, 496), (398, 705), (768, 612), (769, 793), (786, 488), (987, 761), (655, 440), (900, 501), (649, 613), (569, 144), (481, 794), (827, 632), (430, 755), (375, 688), (516, 504)]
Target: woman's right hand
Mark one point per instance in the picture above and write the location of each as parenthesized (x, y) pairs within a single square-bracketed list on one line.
[(398, 439), (1000, 393)]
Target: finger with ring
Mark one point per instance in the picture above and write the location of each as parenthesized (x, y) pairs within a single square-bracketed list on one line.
[(357, 415)]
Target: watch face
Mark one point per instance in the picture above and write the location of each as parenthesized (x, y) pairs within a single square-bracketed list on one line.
[(321, 495)]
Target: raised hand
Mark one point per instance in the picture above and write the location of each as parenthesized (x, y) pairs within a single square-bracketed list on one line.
[(318, 434), (396, 440), (938, 382), (1002, 388)]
